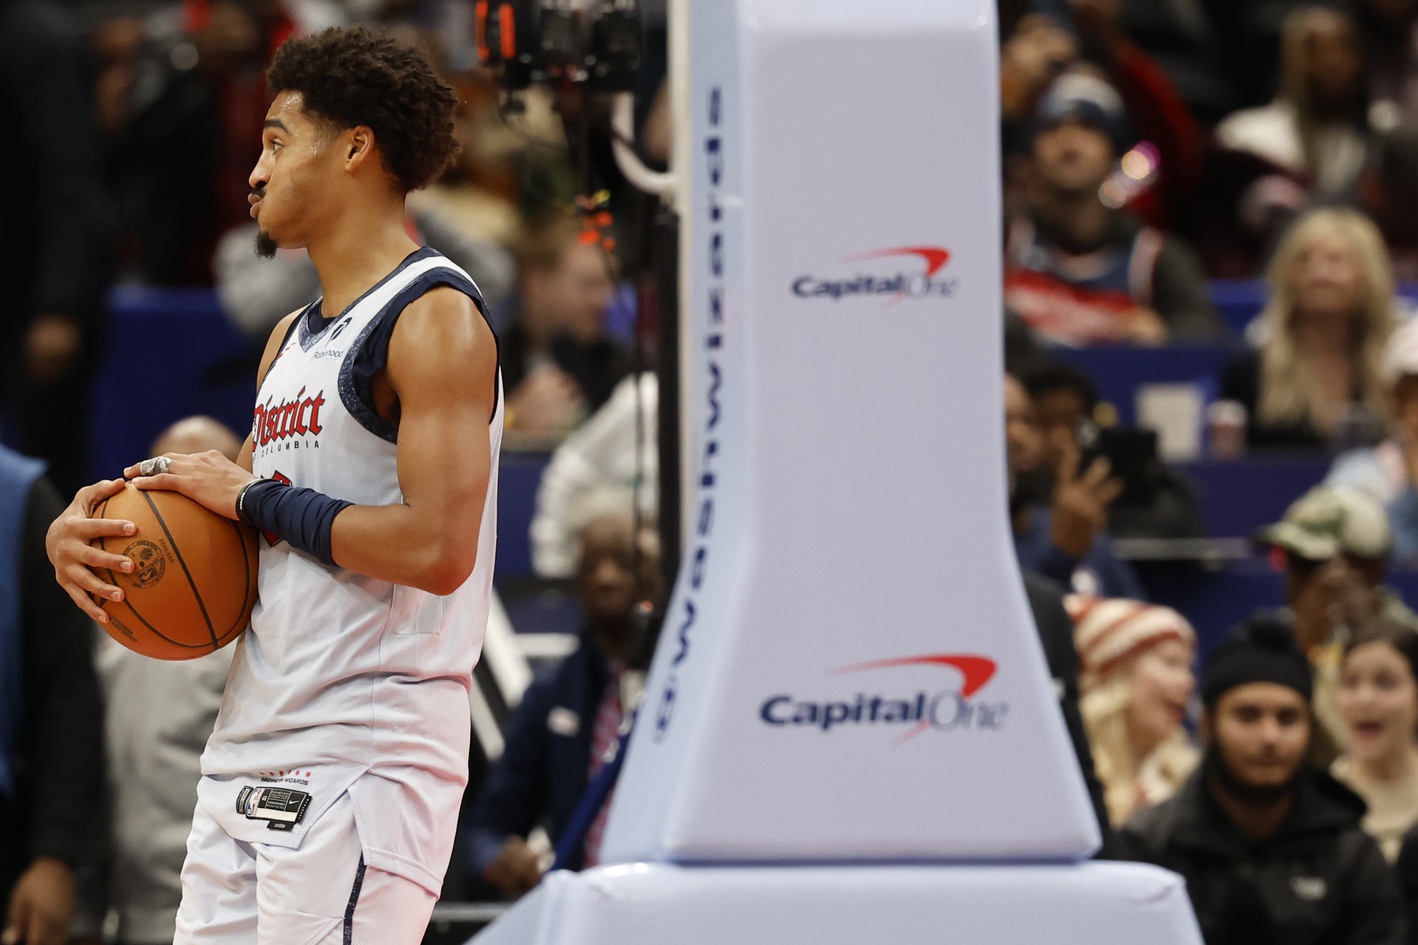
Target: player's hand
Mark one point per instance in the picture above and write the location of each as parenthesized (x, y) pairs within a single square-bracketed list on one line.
[(207, 478), (1080, 506), (41, 905), (517, 869), (69, 544)]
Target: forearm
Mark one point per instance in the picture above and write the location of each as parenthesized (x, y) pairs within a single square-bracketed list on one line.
[(399, 544)]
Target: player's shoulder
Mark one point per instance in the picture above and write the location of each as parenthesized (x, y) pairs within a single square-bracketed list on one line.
[(444, 317)]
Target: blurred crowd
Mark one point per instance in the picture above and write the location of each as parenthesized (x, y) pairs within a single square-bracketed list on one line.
[(1152, 152)]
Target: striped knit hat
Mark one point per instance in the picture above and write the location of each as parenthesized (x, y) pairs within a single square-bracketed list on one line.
[(1108, 631)]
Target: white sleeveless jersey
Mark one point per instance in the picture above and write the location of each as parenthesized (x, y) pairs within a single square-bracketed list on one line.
[(344, 682)]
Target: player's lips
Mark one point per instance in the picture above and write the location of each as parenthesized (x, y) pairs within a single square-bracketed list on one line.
[(254, 200)]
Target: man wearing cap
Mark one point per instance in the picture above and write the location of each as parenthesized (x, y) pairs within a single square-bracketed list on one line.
[(1270, 848), (1078, 270), (1334, 545), (1388, 472)]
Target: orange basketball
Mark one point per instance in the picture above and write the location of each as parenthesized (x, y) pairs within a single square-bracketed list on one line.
[(194, 578)]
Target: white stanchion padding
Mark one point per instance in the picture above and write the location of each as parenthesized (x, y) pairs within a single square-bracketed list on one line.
[(651, 904), (848, 668)]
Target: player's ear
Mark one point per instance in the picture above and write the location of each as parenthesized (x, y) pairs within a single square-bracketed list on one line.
[(359, 145)]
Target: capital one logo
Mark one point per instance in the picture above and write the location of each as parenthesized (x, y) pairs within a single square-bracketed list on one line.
[(903, 273), (960, 704)]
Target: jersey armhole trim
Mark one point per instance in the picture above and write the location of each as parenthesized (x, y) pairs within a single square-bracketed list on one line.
[(370, 352)]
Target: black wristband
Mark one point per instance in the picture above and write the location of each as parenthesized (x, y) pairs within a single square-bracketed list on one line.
[(299, 515)]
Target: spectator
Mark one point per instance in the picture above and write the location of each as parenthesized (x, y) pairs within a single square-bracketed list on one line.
[(1388, 472), (54, 254), (1136, 684), (558, 735), (182, 96), (1333, 545), (1378, 698), (500, 163), (1051, 619), (1059, 517), (1035, 51), (1078, 270), (159, 716), (1175, 144), (1314, 137), (558, 363), (51, 761), (1315, 381), (616, 450), (1159, 503), (1271, 850)]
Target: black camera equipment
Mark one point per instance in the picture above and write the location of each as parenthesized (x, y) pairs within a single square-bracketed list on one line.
[(596, 45)]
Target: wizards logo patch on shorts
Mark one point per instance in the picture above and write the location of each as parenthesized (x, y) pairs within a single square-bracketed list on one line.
[(281, 808)]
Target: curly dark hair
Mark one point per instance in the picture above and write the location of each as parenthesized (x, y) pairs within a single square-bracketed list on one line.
[(361, 76)]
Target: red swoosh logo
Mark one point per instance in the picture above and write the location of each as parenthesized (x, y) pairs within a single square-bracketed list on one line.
[(935, 256), (977, 670)]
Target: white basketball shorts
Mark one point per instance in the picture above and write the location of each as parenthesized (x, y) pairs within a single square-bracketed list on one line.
[(322, 893)]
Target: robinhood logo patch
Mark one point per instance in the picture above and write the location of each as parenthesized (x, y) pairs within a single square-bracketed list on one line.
[(903, 273)]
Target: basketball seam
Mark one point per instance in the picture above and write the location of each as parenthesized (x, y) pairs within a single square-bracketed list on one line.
[(126, 602), (177, 553)]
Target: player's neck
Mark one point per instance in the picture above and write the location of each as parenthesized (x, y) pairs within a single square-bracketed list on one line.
[(354, 257)]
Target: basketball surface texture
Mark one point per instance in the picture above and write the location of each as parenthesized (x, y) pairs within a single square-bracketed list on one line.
[(193, 582)]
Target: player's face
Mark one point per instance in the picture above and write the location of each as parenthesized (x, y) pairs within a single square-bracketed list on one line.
[(296, 161), (1262, 731)]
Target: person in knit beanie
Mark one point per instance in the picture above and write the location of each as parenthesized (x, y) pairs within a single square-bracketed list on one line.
[(1135, 685), (1271, 848)]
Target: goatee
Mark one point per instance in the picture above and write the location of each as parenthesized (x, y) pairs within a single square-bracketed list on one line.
[(265, 246), (1257, 795)]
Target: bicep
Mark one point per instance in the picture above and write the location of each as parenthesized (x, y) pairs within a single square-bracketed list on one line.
[(442, 366)]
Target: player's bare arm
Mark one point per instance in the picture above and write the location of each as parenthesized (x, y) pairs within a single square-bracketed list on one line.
[(439, 383), (442, 369)]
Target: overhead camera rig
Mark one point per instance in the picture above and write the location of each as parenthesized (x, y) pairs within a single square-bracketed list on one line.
[(559, 42), (588, 46)]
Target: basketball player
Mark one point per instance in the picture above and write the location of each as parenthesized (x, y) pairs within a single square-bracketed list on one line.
[(330, 786)]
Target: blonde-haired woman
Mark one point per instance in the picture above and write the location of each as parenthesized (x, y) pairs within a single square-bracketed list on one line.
[(1315, 381), (1135, 685)]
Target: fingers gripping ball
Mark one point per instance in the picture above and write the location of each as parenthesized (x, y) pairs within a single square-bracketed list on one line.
[(193, 582)]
